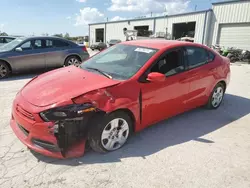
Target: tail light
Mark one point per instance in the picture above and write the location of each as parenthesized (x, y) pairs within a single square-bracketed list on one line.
[(84, 48)]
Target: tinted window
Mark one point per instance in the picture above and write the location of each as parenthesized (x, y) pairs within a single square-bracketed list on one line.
[(1, 40), (49, 44), (196, 56), (26, 46), (59, 43)]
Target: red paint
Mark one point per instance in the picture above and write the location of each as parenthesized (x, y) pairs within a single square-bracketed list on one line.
[(161, 98)]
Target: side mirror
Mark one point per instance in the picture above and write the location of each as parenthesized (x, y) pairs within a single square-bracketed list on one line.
[(156, 77), (19, 49)]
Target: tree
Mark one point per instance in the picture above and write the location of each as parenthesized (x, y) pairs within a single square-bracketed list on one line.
[(3, 34), (45, 34), (58, 35), (66, 36)]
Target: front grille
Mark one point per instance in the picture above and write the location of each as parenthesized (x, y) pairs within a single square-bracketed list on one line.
[(24, 112), (46, 145), (26, 132)]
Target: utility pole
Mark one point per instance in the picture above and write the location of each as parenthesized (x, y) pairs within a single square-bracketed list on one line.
[(151, 14), (195, 7)]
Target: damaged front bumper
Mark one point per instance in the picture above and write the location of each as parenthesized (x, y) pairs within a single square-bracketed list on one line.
[(60, 139), (47, 148)]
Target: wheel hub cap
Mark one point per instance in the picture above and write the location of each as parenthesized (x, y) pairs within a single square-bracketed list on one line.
[(115, 134), (217, 96)]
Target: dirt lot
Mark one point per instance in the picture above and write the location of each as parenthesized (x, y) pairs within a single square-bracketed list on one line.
[(200, 148)]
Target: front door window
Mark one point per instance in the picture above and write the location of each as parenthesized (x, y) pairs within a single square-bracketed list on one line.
[(170, 64)]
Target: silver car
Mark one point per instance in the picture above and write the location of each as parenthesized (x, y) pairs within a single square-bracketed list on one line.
[(32, 53)]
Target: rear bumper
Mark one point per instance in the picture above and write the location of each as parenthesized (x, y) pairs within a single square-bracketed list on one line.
[(84, 56), (39, 135)]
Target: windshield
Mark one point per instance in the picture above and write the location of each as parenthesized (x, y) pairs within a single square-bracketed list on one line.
[(9, 46), (120, 61)]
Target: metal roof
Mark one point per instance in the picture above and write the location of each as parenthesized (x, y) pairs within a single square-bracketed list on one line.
[(150, 18), (232, 1)]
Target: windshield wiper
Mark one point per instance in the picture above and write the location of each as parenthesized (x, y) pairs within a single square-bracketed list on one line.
[(103, 73)]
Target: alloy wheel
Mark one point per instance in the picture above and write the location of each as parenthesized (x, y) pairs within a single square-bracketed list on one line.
[(3, 71), (74, 61)]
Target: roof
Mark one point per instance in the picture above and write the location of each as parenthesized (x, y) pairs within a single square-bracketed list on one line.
[(158, 44), (44, 37), (227, 2), (150, 18)]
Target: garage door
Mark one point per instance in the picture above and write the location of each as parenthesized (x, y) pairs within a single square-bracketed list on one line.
[(235, 35)]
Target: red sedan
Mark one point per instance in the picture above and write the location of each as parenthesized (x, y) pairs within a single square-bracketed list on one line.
[(121, 90)]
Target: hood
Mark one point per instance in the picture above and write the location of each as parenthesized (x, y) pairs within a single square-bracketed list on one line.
[(3, 52), (62, 85)]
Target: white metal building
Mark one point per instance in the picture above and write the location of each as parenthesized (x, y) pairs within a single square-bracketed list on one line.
[(226, 24)]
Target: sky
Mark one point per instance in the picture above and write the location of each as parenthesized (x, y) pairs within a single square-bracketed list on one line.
[(33, 17)]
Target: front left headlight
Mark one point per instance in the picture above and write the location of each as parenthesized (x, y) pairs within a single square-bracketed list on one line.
[(67, 112)]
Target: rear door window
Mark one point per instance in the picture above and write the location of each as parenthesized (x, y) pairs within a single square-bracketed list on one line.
[(49, 44), (196, 57), (211, 56), (60, 44)]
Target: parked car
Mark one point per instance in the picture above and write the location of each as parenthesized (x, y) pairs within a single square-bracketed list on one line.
[(121, 90), (5, 39), (113, 42), (98, 46), (31, 53)]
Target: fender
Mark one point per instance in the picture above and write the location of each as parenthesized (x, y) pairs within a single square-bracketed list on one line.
[(108, 103)]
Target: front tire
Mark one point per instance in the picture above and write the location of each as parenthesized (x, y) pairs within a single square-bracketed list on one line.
[(110, 132), (4, 70), (216, 96)]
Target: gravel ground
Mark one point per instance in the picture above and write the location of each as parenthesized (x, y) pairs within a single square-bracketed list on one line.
[(200, 148)]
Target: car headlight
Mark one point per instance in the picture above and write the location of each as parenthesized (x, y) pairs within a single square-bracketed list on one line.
[(67, 112)]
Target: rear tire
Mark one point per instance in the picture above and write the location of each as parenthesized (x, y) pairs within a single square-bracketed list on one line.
[(110, 132), (72, 60), (216, 96), (4, 70)]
